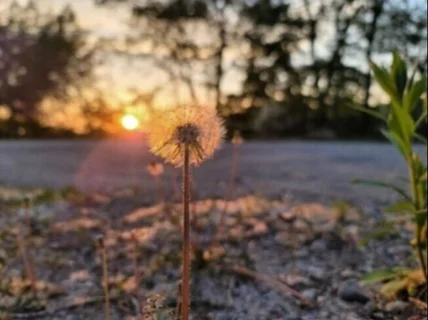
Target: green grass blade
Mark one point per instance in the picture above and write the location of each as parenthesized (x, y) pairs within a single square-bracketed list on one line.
[(382, 77), (398, 142), (381, 275), (413, 95), (369, 111), (403, 206), (375, 183)]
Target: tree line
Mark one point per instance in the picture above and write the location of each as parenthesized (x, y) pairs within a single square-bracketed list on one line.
[(271, 68)]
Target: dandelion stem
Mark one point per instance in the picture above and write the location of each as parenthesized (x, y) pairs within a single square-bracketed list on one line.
[(28, 218), (185, 288)]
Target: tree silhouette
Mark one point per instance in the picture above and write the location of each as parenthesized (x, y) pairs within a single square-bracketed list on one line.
[(41, 55)]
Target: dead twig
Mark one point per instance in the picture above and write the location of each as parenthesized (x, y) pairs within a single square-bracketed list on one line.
[(28, 261), (137, 274), (418, 303), (270, 281), (77, 303)]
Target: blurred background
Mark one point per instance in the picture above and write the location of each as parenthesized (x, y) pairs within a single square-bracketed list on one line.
[(272, 68)]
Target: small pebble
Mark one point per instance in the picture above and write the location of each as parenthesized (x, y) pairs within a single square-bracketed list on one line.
[(396, 306), (352, 293), (316, 273), (310, 294)]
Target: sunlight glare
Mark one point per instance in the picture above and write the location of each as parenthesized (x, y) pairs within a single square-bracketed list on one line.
[(130, 122)]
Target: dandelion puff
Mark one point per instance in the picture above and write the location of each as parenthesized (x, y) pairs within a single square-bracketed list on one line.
[(184, 136), (237, 138), (195, 126), (155, 168)]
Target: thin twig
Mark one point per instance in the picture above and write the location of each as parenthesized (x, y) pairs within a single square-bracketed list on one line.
[(418, 303), (178, 304), (69, 306), (137, 276), (102, 248), (28, 262), (27, 208), (270, 281)]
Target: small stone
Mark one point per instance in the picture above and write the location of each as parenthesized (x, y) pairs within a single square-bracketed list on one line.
[(325, 314), (348, 273), (318, 245), (300, 225), (295, 280), (288, 216), (401, 250), (316, 273), (301, 253), (321, 299), (396, 306), (378, 315), (353, 293), (310, 294), (260, 228), (352, 234), (370, 307)]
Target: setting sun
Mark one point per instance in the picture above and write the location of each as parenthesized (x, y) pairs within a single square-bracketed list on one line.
[(130, 122)]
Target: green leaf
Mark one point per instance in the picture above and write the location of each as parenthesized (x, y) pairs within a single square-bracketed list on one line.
[(399, 74), (382, 77), (424, 103), (414, 93), (381, 275), (401, 122), (369, 111), (393, 287), (421, 119), (382, 230), (375, 183), (420, 138), (398, 142), (404, 206)]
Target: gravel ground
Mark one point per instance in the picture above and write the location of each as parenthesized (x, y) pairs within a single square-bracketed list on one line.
[(289, 249), (275, 259)]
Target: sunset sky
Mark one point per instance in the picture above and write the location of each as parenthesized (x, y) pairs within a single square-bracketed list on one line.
[(119, 74)]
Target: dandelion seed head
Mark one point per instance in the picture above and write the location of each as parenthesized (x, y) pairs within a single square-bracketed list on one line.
[(155, 168), (100, 241), (237, 138), (197, 127), (187, 133)]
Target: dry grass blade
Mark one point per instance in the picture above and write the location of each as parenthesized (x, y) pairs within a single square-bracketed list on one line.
[(270, 281), (27, 261), (418, 303)]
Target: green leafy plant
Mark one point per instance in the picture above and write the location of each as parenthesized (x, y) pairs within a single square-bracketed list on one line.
[(397, 280), (407, 98)]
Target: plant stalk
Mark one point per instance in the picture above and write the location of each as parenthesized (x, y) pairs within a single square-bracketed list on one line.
[(185, 285), (137, 276), (105, 281), (417, 200), (28, 263)]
